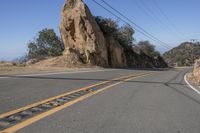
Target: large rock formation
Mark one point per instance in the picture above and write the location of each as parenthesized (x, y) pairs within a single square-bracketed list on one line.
[(83, 39), (80, 32)]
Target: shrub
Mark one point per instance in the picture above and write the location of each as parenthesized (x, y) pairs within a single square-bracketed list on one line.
[(148, 48), (46, 44), (109, 27), (125, 36)]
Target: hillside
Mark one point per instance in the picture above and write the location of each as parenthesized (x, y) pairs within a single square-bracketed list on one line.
[(183, 55)]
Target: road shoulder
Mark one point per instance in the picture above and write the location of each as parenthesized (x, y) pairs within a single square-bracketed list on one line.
[(193, 87)]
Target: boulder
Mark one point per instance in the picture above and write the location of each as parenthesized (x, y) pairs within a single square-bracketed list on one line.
[(80, 32)]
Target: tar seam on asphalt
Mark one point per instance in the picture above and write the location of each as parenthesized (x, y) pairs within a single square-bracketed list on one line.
[(18, 117)]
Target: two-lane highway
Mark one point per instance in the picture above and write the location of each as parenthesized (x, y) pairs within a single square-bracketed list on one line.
[(155, 102), (18, 91)]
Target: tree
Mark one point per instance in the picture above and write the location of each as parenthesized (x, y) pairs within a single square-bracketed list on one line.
[(125, 35), (109, 27), (46, 44), (148, 48)]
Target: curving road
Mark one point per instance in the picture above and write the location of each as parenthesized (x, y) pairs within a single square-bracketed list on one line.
[(160, 102)]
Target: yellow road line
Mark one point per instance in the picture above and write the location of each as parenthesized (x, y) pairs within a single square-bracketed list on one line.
[(44, 101), (47, 113), (49, 99)]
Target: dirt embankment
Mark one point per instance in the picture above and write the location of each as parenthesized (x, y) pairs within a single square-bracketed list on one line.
[(12, 68), (195, 75)]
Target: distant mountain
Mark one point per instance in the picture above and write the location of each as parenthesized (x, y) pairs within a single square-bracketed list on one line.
[(183, 55)]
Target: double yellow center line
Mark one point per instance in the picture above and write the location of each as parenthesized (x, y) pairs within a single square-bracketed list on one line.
[(44, 114)]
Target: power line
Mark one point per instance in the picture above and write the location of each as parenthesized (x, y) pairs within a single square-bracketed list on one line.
[(122, 20), (139, 29), (138, 5), (148, 10), (168, 20), (134, 23)]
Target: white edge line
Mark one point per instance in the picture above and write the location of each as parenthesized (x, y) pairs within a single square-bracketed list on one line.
[(45, 74), (193, 88)]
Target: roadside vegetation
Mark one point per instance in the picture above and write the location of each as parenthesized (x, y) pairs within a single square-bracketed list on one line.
[(124, 35), (148, 48), (183, 55), (46, 44)]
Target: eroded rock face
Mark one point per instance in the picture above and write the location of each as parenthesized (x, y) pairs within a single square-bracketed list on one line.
[(196, 70), (195, 75), (116, 55), (80, 32), (197, 64), (85, 43)]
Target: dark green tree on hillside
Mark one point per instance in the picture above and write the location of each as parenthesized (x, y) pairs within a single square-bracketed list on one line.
[(125, 35), (46, 44), (148, 48), (109, 27)]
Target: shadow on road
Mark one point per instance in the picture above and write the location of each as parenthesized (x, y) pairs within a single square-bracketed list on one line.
[(172, 83), (88, 79)]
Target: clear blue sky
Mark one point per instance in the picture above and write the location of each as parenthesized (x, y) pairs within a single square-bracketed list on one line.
[(22, 19)]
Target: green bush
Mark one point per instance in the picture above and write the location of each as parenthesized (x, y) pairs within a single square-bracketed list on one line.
[(125, 35), (46, 44), (109, 27), (148, 48)]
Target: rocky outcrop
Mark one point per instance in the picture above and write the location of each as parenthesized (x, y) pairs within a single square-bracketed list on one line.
[(195, 75), (141, 60), (183, 55), (196, 71), (197, 65), (80, 32), (85, 42)]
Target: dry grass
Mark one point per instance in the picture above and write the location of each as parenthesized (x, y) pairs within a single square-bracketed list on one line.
[(10, 68), (195, 76)]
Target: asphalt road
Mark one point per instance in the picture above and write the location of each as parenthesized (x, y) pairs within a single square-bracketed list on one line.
[(158, 103)]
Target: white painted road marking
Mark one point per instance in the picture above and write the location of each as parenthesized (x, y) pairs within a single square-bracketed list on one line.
[(193, 88)]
